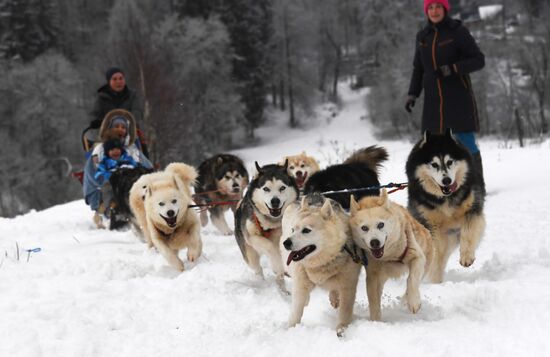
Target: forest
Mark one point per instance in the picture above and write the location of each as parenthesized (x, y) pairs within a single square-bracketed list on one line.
[(210, 72)]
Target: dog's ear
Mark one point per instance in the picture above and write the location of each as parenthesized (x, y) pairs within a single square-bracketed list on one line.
[(179, 183), (304, 204), (258, 168), (286, 164), (384, 202), (326, 210), (426, 138), (449, 134), (353, 205), (220, 160)]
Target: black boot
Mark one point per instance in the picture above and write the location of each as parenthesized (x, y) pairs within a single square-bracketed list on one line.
[(478, 164)]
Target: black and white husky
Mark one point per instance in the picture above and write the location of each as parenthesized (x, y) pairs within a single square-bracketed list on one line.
[(259, 216), (446, 194)]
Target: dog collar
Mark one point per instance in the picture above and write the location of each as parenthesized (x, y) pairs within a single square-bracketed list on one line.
[(358, 257), (162, 233), (400, 260), (266, 233)]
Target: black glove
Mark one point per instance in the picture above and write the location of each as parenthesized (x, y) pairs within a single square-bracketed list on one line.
[(444, 71), (95, 124), (411, 99)]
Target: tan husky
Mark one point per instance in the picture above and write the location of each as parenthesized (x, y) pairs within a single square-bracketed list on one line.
[(301, 167), (317, 237), (396, 244), (160, 203)]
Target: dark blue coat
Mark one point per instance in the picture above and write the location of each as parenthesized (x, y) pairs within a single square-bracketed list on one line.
[(449, 102)]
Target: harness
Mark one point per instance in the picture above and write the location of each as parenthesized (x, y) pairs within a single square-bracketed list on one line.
[(266, 233), (400, 260), (359, 258), (162, 234)]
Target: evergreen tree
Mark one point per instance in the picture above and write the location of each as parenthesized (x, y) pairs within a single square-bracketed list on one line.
[(27, 28)]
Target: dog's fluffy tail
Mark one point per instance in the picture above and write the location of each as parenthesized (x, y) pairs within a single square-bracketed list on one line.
[(372, 156)]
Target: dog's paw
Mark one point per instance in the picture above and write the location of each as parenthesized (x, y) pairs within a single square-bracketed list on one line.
[(413, 301), (192, 256), (334, 299), (340, 329), (227, 232), (467, 259)]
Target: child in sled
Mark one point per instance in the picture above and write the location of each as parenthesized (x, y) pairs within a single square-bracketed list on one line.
[(120, 124)]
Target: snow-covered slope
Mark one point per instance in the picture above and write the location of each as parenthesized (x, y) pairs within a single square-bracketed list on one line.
[(92, 292)]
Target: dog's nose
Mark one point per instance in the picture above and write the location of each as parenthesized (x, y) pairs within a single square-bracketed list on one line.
[(275, 202), (299, 173), (235, 185), (446, 181), (170, 213), (288, 244), (375, 244)]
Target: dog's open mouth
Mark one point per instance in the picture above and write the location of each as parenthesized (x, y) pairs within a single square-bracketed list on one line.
[(301, 179), (275, 212), (377, 253), (447, 190), (297, 255), (170, 221)]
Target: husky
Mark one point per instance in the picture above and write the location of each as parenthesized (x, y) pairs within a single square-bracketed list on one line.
[(446, 195), (160, 202), (121, 182), (259, 214), (396, 244), (318, 242), (360, 170), (301, 167), (222, 178)]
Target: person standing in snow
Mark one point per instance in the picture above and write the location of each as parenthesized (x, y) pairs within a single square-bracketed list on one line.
[(445, 55), (115, 94)]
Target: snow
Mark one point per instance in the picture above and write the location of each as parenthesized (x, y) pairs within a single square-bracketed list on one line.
[(489, 11), (92, 292)]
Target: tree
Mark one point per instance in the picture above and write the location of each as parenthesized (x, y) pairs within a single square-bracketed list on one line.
[(27, 28)]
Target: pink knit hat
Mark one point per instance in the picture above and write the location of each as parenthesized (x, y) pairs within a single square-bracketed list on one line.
[(445, 4)]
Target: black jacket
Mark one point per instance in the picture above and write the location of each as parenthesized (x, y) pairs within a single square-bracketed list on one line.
[(108, 100), (449, 102)]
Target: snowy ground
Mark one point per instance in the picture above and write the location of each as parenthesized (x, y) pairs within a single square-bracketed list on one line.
[(92, 292)]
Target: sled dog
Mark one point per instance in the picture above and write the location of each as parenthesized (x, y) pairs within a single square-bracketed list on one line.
[(160, 203), (301, 167), (358, 171), (395, 243), (259, 214), (446, 195), (318, 241), (222, 178)]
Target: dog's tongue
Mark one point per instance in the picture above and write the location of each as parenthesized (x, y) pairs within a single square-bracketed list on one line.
[(297, 255), (291, 256), (300, 179), (447, 190), (378, 253)]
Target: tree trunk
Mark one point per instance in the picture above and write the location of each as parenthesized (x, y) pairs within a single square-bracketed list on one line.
[(519, 127), (292, 119)]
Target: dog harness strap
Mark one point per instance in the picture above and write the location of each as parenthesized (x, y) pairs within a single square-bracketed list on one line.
[(266, 233), (164, 235), (404, 254)]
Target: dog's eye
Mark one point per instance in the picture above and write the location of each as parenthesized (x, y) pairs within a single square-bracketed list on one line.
[(282, 188), (291, 167), (237, 176), (227, 177), (450, 162), (161, 204), (365, 228), (435, 166), (380, 225), (174, 202), (266, 189), (306, 230), (302, 165), (292, 230)]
